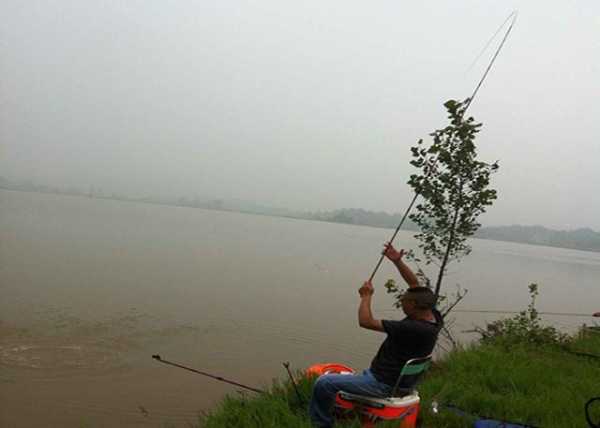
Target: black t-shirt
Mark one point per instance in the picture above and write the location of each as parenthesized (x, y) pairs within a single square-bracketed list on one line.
[(405, 340)]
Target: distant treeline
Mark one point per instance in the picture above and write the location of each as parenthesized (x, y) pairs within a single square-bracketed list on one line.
[(362, 217), (580, 239)]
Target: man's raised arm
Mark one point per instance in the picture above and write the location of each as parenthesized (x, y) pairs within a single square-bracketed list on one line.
[(365, 317), (396, 257)]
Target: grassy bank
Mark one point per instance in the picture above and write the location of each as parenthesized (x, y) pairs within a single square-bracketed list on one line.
[(542, 384)]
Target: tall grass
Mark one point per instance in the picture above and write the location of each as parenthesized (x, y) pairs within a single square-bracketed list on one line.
[(544, 386)]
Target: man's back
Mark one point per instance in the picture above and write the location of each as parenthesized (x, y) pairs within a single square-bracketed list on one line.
[(406, 339)]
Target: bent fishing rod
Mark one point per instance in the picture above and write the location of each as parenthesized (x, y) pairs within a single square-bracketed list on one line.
[(432, 162), (219, 378)]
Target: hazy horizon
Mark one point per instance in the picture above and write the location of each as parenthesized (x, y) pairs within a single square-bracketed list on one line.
[(305, 106)]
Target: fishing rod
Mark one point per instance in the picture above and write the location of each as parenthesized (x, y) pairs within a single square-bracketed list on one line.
[(219, 378), (222, 379), (468, 104), (436, 407)]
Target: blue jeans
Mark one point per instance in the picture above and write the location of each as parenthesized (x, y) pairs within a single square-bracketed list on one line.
[(327, 386)]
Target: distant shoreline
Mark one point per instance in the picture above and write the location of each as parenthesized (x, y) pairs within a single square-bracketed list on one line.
[(584, 239)]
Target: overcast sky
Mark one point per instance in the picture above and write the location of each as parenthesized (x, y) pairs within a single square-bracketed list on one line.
[(306, 105)]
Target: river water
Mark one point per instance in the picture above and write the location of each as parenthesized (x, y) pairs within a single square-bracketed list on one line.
[(91, 288)]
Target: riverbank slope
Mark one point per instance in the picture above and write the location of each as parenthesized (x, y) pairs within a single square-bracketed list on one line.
[(543, 385)]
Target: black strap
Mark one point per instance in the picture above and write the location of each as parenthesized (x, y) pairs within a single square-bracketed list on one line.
[(588, 418)]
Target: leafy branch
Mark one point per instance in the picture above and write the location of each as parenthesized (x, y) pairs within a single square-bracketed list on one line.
[(454, 187)]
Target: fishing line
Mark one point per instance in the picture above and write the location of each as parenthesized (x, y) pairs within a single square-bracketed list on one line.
[(490, 40), (498, 311), (562, 314), (468, 104), (489, 67)]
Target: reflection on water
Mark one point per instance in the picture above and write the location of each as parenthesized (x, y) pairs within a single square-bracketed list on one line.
[(60, 342), (53, 355), (90, 289)]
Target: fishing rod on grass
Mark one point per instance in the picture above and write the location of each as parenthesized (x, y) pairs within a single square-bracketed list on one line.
[(231, 382), (481, 421), (219, 378), (512, 17)]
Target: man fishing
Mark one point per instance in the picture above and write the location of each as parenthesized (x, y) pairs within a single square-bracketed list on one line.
[(413, 337)]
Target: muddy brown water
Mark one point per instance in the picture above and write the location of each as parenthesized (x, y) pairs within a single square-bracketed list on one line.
[(91, 288)]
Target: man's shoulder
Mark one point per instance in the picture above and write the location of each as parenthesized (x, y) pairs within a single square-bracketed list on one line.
[(405, 324), (390, 325), (415, 324), (396, 322)]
